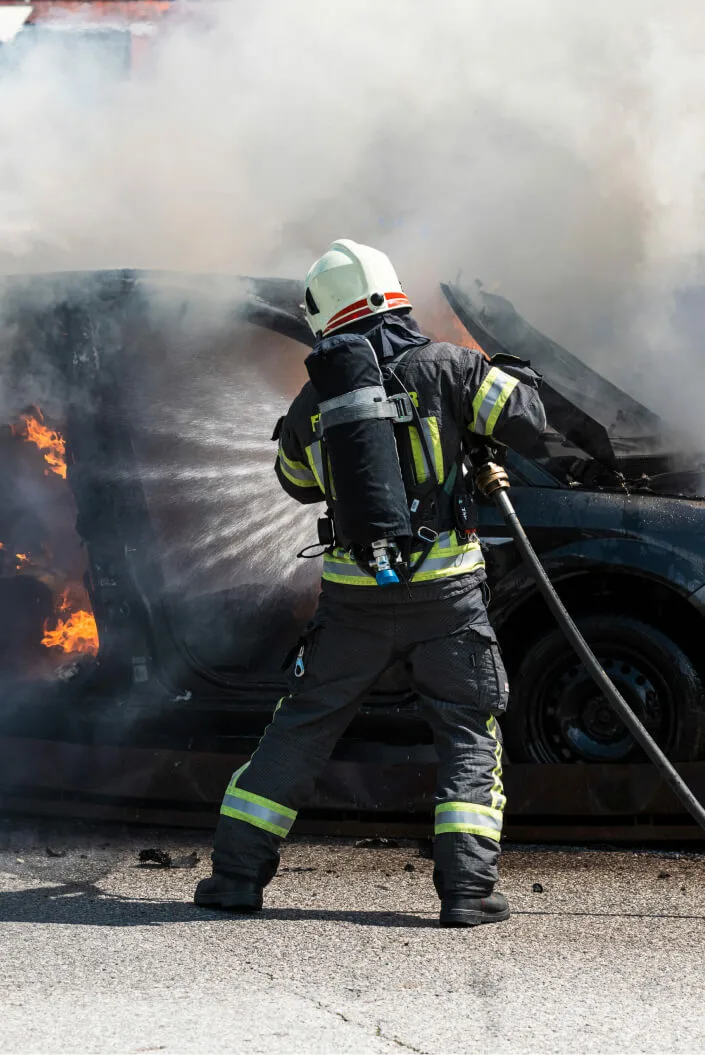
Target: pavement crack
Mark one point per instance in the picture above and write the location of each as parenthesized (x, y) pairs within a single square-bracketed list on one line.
[(331, 1010), (377, 1032)]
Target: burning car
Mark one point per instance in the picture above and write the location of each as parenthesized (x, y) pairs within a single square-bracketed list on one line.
[(149, 593)]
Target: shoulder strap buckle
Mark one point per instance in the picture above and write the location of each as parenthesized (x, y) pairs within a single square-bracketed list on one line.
[(404, 411)]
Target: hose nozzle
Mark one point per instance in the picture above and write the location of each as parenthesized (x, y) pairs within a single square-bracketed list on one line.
[(491, 477)]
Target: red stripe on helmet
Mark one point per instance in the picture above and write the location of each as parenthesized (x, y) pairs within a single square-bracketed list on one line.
[(349, 307), (361, 308), (353, 317)]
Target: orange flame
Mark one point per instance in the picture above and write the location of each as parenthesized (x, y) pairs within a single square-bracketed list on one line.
[(440, 322), (22, 558), (50, 442), (76, 633)]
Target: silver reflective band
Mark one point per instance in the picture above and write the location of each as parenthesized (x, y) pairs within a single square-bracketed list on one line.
[(488, 403), (459, 560), (466, 817), (259, 813), (338, 569), (295, 471), (313, 453), (430, 431), (490, 400)]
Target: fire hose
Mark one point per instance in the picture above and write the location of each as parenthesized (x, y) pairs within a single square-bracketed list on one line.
[(492, 480)]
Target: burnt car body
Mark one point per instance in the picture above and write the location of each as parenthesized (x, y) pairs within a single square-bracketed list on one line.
[(189, 566)]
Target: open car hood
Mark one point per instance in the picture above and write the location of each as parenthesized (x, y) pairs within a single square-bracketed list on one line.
[(600, 418)]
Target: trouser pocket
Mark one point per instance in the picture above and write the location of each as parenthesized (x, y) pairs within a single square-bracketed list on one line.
[(463, 668), (300, 657), (488, 675)]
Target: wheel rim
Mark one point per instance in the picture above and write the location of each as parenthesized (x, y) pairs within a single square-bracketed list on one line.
[(570, 719)]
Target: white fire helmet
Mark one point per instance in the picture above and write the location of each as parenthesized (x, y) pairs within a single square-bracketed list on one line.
[(348, 283)]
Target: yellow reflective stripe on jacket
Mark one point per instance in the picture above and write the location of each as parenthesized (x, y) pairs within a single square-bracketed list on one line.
[(340, 567), (314, 453), (447, 557), (315, 459), (469, 817), (417, 454), (499, 800), (255, 809), (432, 435), (491, 396), (466, 559), (296, 472)]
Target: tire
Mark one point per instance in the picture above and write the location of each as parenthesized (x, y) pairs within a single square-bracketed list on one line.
[(557, 714)]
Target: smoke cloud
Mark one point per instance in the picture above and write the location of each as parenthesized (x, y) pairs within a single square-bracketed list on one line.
[(553, 148)]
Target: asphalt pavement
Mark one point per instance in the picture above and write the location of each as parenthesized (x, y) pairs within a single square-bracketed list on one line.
[(604, 952)]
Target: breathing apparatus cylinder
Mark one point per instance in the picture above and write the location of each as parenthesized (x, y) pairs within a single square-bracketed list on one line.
[(371, 511)]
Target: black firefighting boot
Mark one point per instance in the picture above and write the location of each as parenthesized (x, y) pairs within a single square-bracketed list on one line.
[(459, 911), (229, 893)]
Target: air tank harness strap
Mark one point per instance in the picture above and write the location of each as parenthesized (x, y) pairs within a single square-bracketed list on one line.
[(427, 535), (362, 404), (431, 491)]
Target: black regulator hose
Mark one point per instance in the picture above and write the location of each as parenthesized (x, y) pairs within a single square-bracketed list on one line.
[(492, 480)]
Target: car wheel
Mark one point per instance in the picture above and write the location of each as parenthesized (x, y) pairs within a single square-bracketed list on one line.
[(557, 714)]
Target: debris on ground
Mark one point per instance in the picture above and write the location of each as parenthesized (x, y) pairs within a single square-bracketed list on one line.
[(154, 858), (157, 858), (375, 842), (664, 875), (537, 888), (51, 852), (297, 869)]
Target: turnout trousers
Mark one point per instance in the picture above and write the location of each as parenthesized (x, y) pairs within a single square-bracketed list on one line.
[(443, 635)]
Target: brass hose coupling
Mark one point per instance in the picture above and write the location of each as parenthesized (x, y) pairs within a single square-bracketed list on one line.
[(491, 477)]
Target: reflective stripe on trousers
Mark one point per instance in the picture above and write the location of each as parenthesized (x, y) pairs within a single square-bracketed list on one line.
[(255, 809), (468, 817), (446, 558), (499, 800), (491, 396)]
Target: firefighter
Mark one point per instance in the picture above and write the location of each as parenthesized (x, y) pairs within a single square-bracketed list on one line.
[(434, 617)]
